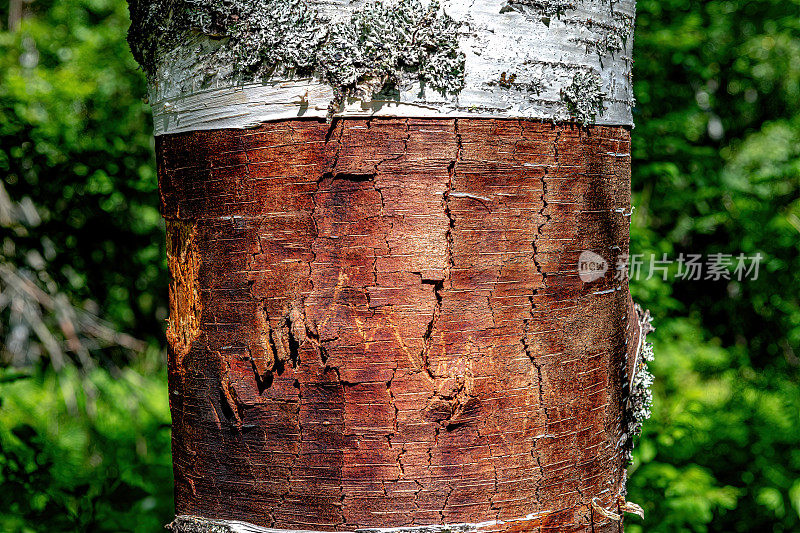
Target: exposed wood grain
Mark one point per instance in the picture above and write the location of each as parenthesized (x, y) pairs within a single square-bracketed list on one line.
[(392, 329)]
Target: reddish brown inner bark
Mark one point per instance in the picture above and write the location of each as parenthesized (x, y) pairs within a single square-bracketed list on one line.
[(392, 330)]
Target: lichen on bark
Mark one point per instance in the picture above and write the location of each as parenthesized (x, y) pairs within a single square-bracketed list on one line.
[(584, 96), (382, 43), (379, 47), (640, 395), (259, 36), (196, 524)]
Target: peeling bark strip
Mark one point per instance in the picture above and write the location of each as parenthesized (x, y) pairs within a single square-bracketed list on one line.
[(386, 326), (237, 63)]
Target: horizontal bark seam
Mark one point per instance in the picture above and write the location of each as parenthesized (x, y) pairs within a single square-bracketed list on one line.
[(197, 524)]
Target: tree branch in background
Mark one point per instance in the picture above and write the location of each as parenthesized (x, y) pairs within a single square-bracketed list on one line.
[(39, 317)]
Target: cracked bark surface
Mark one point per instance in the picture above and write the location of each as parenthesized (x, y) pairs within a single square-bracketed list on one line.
[(390, 329)]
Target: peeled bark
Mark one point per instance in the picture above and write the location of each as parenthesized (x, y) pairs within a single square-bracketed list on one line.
[(379, 322)]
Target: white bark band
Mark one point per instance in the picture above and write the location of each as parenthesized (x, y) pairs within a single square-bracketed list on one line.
[(560, 60), (196, 524)]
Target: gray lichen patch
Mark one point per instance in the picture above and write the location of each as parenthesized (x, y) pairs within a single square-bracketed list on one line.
[(266, 36), (584, 97), (260, 35), (196, 524), (640, 395), (381, 45), (158, 25)]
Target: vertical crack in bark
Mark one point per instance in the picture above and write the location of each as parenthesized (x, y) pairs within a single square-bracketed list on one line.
[(427, 337), (297, 454), (379, 190), (393, 400), (312, 335), (311, 329), (543, 213), (444, 505), (492, 502), (328, 138), (451, 172), (331, 128), (588, 511), (537, 457), (546, 217)]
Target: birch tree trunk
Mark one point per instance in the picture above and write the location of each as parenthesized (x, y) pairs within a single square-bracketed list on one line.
[(375, 218)]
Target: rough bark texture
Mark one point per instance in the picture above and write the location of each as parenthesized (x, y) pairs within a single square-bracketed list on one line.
[(379, 323)]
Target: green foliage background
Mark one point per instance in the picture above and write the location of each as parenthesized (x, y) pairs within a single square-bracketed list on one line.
[(84, 444)]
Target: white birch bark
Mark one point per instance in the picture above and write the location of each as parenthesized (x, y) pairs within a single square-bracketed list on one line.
[(556, 60)]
